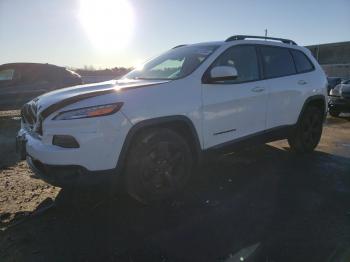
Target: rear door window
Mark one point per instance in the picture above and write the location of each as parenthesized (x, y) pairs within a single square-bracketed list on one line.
[(302, 63), (277, 62)]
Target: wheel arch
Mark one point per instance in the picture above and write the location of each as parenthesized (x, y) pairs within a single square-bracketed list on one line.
[(315, 100), (178, 123)]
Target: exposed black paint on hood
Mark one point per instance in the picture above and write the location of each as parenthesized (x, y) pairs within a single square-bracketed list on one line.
[(53, 101)]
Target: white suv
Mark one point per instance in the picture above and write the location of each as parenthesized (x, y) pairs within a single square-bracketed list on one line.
[(155, 124)]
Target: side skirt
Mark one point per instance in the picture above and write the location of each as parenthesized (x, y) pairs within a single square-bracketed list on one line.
[(273, 134)]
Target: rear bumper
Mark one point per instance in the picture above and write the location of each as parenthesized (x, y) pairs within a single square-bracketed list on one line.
[(67, 176), (339, 104)]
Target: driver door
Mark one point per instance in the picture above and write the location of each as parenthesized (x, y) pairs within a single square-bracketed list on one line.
[(236, 108)]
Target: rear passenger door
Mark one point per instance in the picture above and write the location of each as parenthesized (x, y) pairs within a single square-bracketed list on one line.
[(286, 86)]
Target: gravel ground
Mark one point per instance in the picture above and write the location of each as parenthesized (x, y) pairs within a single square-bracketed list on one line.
[(261, 204), (20, 192)]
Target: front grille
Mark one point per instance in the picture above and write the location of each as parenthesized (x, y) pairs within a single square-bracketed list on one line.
[(39, 127), (28, 113), (30, 117)]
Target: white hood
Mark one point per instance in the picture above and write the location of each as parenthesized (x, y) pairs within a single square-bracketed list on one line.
[(86, 91)]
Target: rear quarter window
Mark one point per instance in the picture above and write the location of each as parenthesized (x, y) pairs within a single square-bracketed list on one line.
[(277, 62), (302, 63)]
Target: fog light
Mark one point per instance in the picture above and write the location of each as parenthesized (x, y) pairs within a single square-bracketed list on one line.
[(65, 141)]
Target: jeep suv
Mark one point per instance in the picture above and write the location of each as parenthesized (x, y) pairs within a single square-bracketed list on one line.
[(150, 128)]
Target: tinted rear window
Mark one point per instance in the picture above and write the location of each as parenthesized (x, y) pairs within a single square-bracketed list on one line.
[(277, 62), (302, 63)]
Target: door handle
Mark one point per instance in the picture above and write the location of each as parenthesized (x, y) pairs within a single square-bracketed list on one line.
[(302, 82), (258, 89)]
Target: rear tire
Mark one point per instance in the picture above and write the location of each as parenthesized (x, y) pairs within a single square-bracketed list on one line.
[(334, 113), (158, 165), (308, 131)]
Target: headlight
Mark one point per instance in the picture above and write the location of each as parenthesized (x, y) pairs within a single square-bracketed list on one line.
[(336, 91), (86, 112)]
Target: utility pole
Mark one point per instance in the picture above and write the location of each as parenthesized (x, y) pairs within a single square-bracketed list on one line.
[(265, 33)]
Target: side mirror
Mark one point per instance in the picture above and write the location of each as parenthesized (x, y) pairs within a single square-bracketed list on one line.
[(220, 73)]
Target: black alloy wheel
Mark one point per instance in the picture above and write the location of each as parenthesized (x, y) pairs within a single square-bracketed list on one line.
[(159, 165)]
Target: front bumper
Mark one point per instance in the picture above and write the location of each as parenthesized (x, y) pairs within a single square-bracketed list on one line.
[(100, 142), (339, 104), (68, 176), (100, 139)]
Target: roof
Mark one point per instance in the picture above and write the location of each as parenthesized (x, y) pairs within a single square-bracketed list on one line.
[(29, 64), (251, 39), (267, 42)]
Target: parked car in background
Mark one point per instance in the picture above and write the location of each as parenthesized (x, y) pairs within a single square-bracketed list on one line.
[(333, 82), (340, 99), (21, 82)]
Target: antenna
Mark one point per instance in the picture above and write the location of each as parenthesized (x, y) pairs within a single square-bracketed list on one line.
[(265, 33)]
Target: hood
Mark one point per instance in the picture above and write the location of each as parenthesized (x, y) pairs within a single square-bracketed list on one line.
[(53, 101)]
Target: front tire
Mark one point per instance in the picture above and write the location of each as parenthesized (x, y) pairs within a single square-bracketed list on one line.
[(158, 165), (308, 131)]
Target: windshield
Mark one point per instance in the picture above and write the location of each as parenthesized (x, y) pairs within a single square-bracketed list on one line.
[(176, 63)]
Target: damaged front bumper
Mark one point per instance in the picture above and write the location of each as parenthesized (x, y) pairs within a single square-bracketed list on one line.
[(68, 176)]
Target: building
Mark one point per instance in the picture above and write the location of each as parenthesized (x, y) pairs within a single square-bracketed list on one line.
[(334, 58)]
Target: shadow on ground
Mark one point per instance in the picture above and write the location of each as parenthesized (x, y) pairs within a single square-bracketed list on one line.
[(293, 209)]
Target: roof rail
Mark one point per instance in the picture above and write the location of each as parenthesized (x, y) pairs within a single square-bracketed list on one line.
[(243, 37)]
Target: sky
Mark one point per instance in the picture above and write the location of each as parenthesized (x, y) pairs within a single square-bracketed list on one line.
[(111, 33)]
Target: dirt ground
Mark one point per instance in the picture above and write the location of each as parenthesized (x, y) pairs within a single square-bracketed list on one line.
[(260, 204)]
